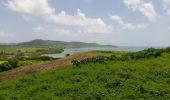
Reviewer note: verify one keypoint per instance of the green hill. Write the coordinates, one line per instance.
(40, 46)
(58, 44)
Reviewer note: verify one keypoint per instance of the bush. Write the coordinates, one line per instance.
(76, 62)
(44, 58)
(148, 53)
(14, 63)
(11, 64)
(113, 57)
(5, 66)
(67, 55)
(167, 49)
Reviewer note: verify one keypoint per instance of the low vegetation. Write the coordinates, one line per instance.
(24, 55)
(149, 53)
(7, 52)
(22, 61)
(143, 77)
(11, 64)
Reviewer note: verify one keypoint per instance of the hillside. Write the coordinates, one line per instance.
(144, 79)
(58, 44)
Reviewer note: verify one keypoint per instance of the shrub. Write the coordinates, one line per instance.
(5, 66)
(67, 55)
(167, 49)
(44, 58)
(12, 63)
(76, 62)
(113, 57)
(148, 53)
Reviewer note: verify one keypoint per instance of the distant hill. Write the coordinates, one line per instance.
(59, 44)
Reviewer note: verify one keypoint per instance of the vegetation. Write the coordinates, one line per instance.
(1, 62)
(67, 55)
(19, 51)
(143, 77)
(24, 54)
(36, 48)
(149, 53)
(22, 61)
(11, 64)
(42, 58)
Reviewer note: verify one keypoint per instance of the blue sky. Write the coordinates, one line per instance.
(117, 22)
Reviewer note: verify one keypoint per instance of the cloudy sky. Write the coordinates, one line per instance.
(118, 22)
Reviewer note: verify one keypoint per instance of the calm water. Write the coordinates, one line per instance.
(79, 50)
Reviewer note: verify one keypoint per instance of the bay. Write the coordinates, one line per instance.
(86, 49)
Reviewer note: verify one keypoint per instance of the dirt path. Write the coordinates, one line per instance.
(44, 67)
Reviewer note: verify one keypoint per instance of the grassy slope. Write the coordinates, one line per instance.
(17, 72)
(147, 79)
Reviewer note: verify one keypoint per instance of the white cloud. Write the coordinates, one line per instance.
(146, 8)
(41, 8)
(126, 25)
(31, 7)
(166, 5)
(4, 35)
(90, 25)
(54, 31)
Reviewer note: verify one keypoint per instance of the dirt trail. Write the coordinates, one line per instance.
(44, 67)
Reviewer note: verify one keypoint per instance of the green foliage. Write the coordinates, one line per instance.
(144, 79)
(167, 49)
(49, 51)
(149, 53)
(5, 66)
(11, 64)
(1, 62)
(43, 58)
(19, 52)
(67, 55)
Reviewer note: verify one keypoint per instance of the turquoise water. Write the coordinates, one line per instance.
(79, 50)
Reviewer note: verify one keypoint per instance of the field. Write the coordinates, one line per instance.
(144, 79)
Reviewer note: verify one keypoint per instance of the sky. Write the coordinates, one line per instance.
(115, 22)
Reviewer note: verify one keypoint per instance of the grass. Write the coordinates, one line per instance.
(1, 62)
(12, 51)
(32, 62)
(135, 79)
